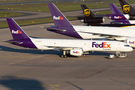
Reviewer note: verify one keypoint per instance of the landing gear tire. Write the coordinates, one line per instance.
(68, 54)
(64, 56)
(121, 54)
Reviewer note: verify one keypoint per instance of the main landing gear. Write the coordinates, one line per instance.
(64, 54)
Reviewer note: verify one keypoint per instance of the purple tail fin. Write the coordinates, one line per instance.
(16, 30)
(117, 15)
(115, 10)
(58, 18)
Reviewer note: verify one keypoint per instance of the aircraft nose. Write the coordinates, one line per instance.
(131, 49)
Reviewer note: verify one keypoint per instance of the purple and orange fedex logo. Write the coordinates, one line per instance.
(76, 52)
(102, 45)
(17, 32)
(132, 42)
(117, 17)
(57, 18)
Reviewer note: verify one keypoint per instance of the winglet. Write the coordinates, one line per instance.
(58, 18)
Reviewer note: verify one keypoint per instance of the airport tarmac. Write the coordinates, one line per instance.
(27, 69)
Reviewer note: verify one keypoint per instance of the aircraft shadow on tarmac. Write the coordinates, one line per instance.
(33, 51)
(15, 83)
(74, 85)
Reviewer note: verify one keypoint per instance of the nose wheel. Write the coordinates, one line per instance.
(121, 54)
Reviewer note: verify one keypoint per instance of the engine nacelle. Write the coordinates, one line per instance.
(91, 20)
(76, 52)
(131, 42)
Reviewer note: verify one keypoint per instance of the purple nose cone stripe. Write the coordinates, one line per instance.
(20, 38)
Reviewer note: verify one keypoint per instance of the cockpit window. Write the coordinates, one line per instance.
(126, 45)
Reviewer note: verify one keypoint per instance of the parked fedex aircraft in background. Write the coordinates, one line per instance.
(77, 48)
(128, 10)
(63, 26)
(118, 16)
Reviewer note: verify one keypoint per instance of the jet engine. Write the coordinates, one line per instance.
(96, 20)
(131, 42)
(132, 17)
(76, 52)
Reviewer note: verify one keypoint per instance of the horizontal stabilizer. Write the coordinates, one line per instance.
(54, 29)
(17, 42)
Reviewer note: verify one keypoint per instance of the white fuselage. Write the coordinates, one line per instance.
(86, 32)
(128, 17)
(132, 21)
(85, 45)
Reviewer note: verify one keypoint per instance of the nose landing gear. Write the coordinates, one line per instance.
(121, 54)
(118, 55)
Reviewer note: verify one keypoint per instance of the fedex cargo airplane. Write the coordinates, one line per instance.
(74, 47)
(118, 16)
(63, 26)
(128, 10)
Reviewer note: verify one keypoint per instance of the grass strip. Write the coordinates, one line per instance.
(43, 7)
(9, 14)
(33, 21)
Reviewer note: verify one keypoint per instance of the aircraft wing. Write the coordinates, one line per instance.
(61, 47)
(108, 36)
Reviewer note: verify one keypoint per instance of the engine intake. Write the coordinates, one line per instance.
(76, 52)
